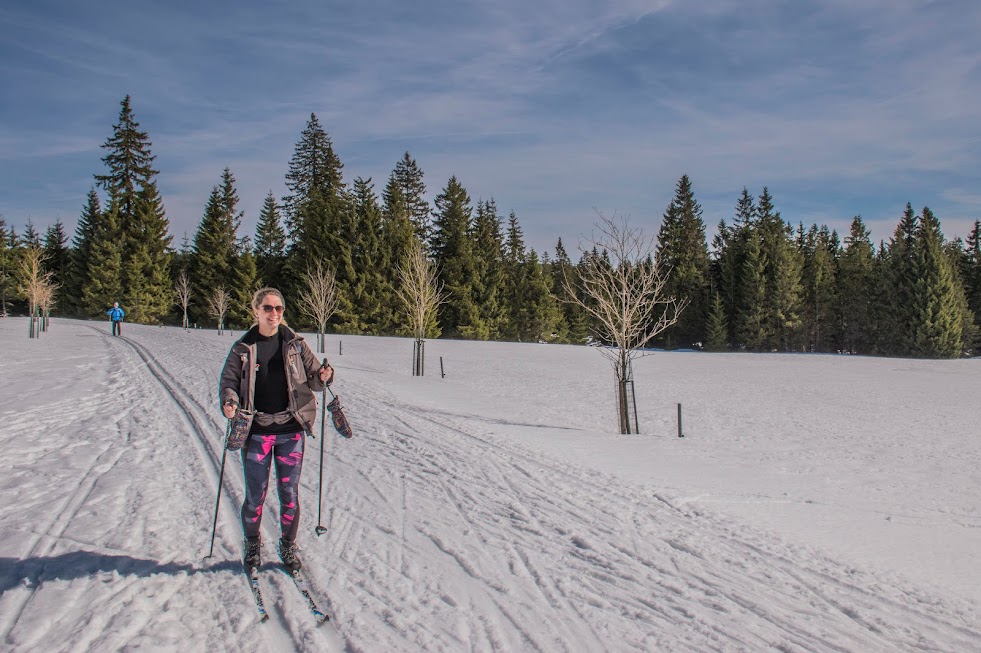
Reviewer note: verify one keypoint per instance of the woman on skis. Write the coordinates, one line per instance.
(272, 373)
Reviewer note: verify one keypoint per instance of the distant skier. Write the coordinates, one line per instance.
(272, 373)
(116, 314)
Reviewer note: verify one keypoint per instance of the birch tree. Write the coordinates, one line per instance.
(218, 305)
(421, 293)
(183, 289)
(318, 300)
(624, 294)
(33, 282)
(46, 301)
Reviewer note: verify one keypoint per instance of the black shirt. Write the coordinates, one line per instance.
(271, 392)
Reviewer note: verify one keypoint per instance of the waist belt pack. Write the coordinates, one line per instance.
(268, 419)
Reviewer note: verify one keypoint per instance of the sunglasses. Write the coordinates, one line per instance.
(269, 308)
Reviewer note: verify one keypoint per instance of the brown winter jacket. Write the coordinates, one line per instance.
(302, 375)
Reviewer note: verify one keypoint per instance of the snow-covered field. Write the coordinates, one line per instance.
(817, 503)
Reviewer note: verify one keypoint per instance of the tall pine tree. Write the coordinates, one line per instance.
(142, 222)
(80, 255)
(216, 247)
(488, 250)
(784, 267)
(683, 253)
(270, 244)
(453, 254)
(397, 239)
(409, 177)
(367, 290)
(856, 289)
(103, 286)
(937, 327)
(899, 276)
(57, 261)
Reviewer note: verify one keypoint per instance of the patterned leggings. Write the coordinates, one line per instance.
(257, 458)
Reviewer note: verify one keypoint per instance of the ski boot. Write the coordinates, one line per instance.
(287, 553)
(252, 558)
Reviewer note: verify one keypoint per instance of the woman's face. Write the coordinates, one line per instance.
(269, 314)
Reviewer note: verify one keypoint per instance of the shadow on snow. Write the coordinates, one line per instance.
(79, 564)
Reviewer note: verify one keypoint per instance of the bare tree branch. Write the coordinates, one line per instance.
(624, 294)
(183, 289)
(420, 291)
(218, 305)
(33, 279)
(319, 299)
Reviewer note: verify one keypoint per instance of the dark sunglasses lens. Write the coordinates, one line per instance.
(269, 309)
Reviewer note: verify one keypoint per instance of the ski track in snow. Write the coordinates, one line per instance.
(442, 535)
(171, 602)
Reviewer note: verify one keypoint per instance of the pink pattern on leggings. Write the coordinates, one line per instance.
(293, 459)
(268, 441)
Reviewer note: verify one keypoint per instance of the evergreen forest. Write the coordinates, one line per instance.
(762, 284)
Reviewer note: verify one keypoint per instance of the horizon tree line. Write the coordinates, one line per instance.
(764, 284)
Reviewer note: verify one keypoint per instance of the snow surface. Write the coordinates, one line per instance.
(816, 503)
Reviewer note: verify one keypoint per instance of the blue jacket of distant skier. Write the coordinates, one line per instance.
(115, 314)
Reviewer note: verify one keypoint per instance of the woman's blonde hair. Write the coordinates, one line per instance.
(261, 294)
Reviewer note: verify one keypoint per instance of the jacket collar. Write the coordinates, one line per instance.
(252, 335)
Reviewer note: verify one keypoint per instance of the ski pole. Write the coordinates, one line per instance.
(221, 478)
(320, 485)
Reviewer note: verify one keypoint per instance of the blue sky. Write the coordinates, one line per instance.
(555, 109)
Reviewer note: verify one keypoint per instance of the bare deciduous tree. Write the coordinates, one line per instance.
(218, 305)
(421, 294)
(46, 301)
(183, 289)
(319, 301)
(33, 282)
(624, 294)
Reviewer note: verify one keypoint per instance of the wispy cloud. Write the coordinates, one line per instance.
(553, 107)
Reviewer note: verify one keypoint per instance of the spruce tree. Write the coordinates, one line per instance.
(574, 326)
(717, 336)
(142, 222)
(397, 239)
(215, 249)
(270, 244)
(683, 253)
(899, 276)
(367, 291)
(31, 238)
(784, 268)
(7, 283)
(750, 328)
(957, 257)
(57, 262)
(147, 288)
(856, 289)
(244, 281)
(409, 177)
(130, 164)
(515, 258)
(937, 327)
(538, 313)
(489, 273)
(103, 286)
(729, 246)
(453, 254)
(319, 217)
(820, 279)
(314, 170)
(972, 272)
(80, 255)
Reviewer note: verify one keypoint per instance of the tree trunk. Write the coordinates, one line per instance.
(419, 358)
